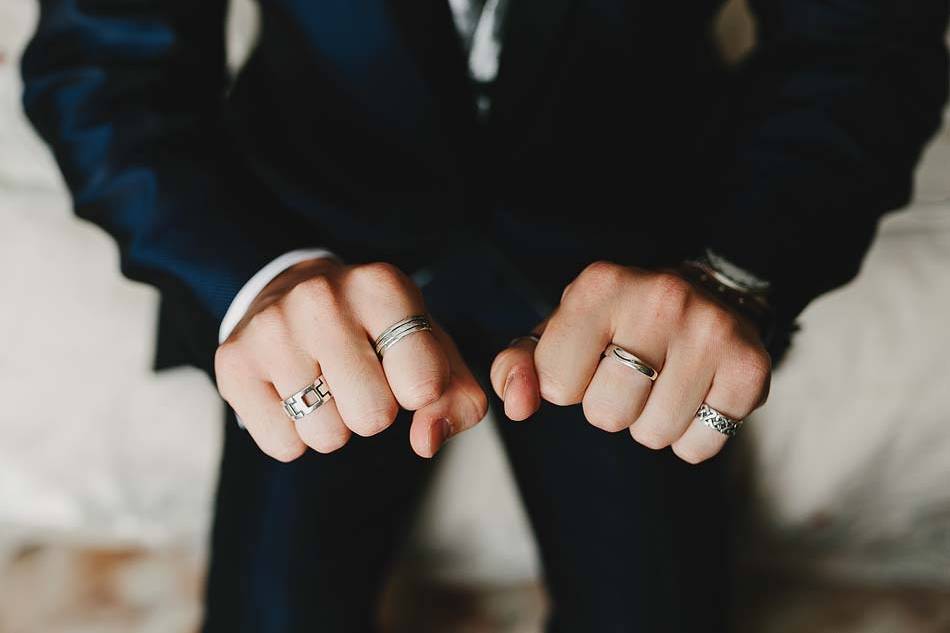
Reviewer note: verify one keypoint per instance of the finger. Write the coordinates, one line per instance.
(258, 405)
(462, 405)
(675, 397)
(323, 326)
(289, 368)
(616, 395)
(515, 381)
(569, 351)
(737, 389)
(415, 367)
(323, 430)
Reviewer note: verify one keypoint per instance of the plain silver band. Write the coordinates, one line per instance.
(631, 360)
(534, 338)
(400, 330)
(717, 421)
(296, 405)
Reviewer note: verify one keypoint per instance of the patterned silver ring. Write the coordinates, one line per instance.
(308, 399)
(631, 360)
(717, 421)
(400, 330)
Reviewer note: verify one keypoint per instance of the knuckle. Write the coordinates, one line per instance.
(379, 275)
(474, 402)
(597, 279)
(375, 418)
(602, 270)
(671, 285)
(333, 445)
(329, 442)
(316, 293)
(691, 454)
(229, 364)
(479, 403)
(269, 322)
(556, 391)
(650, 437)
(670, 296)
(422, 392)
(228, 360)
(287, 451)
(566, 291)
(603, 416)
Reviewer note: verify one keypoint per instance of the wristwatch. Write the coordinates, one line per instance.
(735, 288)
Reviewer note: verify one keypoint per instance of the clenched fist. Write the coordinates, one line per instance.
(320, 318)
(704, 353)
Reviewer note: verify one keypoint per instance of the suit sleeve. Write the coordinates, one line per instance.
(832, 110)
(128, 94)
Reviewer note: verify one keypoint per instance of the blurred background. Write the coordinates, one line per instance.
(844, 483)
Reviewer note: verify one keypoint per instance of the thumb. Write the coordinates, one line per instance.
(461, 406)
(515, 380)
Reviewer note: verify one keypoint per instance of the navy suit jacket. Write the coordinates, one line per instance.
(615, 133)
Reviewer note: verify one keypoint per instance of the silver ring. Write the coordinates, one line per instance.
(717, 421)
(534, 338)
(308, 399)
(631, 360)
(400, 330)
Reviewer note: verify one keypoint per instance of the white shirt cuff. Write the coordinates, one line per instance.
(249, 291)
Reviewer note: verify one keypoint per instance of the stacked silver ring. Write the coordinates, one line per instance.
(631, 360)
(297, 405)
(717, 421)
(398, 331)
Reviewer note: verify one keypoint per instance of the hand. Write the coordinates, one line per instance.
(321, 318)
(703, 352)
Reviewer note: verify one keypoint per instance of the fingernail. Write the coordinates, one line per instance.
(439, 432)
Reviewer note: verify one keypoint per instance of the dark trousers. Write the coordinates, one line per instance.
(632, 540)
